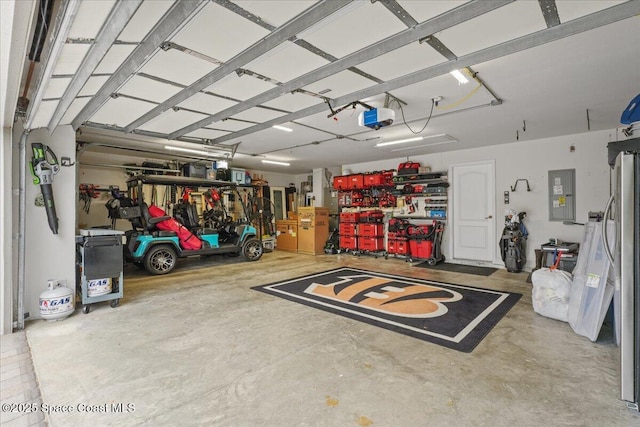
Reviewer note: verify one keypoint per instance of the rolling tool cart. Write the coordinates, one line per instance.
(99, 267)
(425, 242)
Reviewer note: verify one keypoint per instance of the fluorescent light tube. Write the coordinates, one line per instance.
(282, 128)
(423, 146)
(459, 76)
(190, 150)
(273, 162)
(401, 141)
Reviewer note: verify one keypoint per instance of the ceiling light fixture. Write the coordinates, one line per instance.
(401, 141)
(417, 138)
(190, 150)
(273, 162)
(426, 145)
(282, 128)
(460, 77)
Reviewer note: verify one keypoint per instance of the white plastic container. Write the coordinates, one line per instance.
(97, 287)
(57, 302)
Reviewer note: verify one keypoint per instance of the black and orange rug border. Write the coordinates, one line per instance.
(453, 316)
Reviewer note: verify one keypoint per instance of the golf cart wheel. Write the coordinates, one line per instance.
(160, 259)
(252, 249)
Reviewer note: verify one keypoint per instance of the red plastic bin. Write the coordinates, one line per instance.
(356, 182)
(340, 182)
(373, 179)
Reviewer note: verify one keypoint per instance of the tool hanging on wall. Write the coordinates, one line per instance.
(87, 192)
(43, 171)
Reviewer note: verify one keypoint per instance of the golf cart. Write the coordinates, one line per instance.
(157, 240)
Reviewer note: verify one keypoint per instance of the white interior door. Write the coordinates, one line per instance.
(472, 210)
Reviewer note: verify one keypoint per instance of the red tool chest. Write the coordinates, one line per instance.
(347, 229)
(350, 217)
(374, 216)
(370, 230)
(420, 248)
(402, 246)
(348, 242)
(370, 243)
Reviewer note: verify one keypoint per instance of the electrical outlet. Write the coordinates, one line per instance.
(506, 197)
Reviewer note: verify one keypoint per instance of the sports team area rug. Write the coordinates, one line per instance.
(454, 316)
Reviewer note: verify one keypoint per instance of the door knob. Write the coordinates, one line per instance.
(488, 217)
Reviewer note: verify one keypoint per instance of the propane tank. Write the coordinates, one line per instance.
(98, 287)
(57, 302)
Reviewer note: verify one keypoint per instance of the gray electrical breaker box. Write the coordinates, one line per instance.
(562, 195)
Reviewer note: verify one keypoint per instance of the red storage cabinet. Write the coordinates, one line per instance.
(392, 246)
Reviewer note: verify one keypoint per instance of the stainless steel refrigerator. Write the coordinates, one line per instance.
(624, 156)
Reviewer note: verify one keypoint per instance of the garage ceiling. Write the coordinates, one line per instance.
(218, 75)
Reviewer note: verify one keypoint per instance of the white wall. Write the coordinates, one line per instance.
(49, 256)
(531, 160)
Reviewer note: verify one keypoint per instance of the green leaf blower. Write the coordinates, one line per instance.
(43, 169)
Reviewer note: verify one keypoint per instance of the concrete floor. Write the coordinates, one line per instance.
(198, 347)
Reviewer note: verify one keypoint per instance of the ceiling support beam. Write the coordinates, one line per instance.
(573, 27)
(435, 43)
(233, 7)
(448, 19)
(111, 28)
(303, 21)
(550, 12)
(173, 20)
(399, 12)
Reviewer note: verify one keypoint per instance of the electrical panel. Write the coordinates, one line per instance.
(562, 197)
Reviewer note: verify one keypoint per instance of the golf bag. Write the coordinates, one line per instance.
(514, 241)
